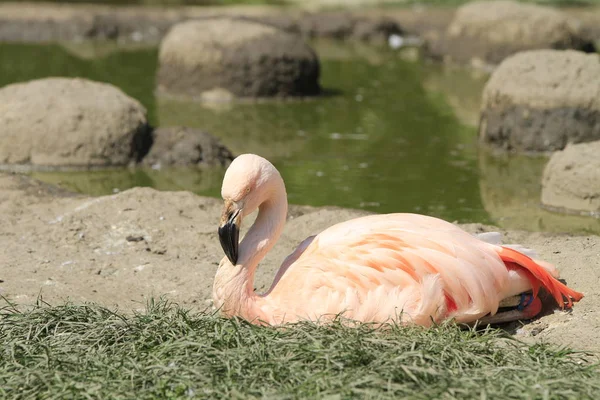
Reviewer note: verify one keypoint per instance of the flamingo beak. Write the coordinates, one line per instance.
(229, 231)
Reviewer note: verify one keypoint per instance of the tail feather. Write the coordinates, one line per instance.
(540, 275)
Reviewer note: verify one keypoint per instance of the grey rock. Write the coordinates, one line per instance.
(538, 101)
(571, 180)
(486, 32)
(245, 58)
(183, 146)
(62, 122)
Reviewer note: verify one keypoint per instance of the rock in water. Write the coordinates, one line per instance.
(63, 122)
(186, 146)
(572, 179)
(246, 58)
(539, 101)
(486, 32)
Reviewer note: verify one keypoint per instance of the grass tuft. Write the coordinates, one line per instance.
(88, 351)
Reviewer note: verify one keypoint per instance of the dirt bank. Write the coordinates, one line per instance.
(123, 249)
(47, 22)
(30, 21)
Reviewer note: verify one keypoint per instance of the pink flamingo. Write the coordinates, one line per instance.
(404, 267)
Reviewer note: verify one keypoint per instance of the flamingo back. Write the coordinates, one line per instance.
(400, 266)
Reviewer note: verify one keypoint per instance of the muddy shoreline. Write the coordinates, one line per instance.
(124, 249)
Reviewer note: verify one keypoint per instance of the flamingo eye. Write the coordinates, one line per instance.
(247, 190)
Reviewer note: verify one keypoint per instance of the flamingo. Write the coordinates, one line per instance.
(408, 268)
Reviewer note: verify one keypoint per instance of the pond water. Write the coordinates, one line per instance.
(391, 135)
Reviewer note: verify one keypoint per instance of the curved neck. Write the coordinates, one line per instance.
(234, 284)
(264, 233)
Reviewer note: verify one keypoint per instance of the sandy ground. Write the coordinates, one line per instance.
(123, 249)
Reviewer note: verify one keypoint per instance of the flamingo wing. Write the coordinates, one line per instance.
(376, 267)
(410, 267)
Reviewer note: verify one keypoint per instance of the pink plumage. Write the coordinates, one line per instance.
(404, 267)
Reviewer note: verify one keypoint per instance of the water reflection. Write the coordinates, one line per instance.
(461, 88)
(510, 192)
(384, 144)
(97, 183)
(390, 140)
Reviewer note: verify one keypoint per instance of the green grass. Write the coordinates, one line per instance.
(89, 351)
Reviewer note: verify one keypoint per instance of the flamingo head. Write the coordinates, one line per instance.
(245, 187)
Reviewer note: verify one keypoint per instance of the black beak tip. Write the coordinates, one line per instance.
(228, 236)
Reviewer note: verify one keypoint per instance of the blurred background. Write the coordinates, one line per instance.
(374, 105)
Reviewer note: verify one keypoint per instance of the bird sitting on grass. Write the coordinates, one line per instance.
(405, 268)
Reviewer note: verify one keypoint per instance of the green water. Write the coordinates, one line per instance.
(391, 135)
